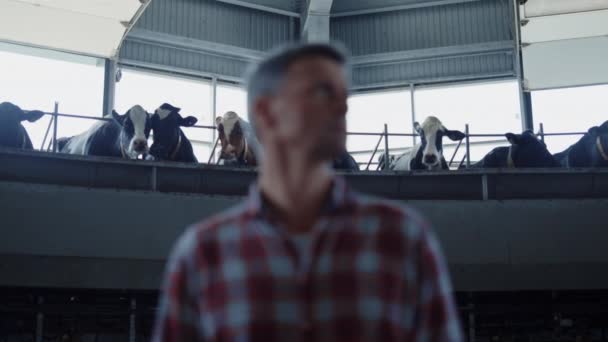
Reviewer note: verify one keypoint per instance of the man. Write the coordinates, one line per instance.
(305, 258)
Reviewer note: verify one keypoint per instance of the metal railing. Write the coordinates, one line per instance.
(51, 145)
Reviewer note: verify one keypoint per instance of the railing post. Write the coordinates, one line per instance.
(46, 134)
(413, 108)
(55, 117)
(39, 321)
(468, 146)
(386, 156)
(542, 132)
(374, 154)
(132, 331)
(213, 114)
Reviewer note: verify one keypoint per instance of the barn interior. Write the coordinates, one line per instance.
(85, 238)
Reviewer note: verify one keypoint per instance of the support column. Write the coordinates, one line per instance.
(109, 86)
(525, 98)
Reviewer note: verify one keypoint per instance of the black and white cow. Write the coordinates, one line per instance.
(124, 136)
(590, 151)
(526, 150)
(12, 132)
(170, 142)
(428, 154)
(239, 145)
(345, 162)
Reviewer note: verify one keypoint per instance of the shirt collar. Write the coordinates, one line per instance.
(339, 198)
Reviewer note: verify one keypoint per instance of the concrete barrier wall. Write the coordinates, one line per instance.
(69, 236)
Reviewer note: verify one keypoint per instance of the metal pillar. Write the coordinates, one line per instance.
(55, 117)
(213, 114)
(413, 106)
(109, 86)
(386, 151)
(132, 330)
(39, 321)
(525, 98)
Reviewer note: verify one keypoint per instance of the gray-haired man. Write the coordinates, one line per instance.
(305, 258)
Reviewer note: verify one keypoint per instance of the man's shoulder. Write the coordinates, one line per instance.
(231, 216)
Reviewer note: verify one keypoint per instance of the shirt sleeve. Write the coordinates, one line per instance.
(438, 318)
(177, 314)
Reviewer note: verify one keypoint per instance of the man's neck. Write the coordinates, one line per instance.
(297, 190)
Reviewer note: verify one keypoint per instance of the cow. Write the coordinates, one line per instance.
(345, 162)
(12, 132)
(123, 136)
(169, 141)
(239, 145)
(525, 151)
(428, 154)
(590, 151)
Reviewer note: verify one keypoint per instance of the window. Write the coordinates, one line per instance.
(369, 112)
(488, 108)
(36, 78)
(231, 98)
(150, 90)
(569, 110)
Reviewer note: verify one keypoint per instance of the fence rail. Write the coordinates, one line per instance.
(383, 136)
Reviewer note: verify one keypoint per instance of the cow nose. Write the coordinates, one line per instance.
(139, 145)
(430, 159)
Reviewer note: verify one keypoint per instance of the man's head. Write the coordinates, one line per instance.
(297, 100)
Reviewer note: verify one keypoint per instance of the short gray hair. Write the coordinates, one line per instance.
(266, 77)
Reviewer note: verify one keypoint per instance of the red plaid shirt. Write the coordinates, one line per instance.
(376, 274)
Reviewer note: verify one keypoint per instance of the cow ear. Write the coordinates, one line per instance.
(593, 130)
(512, 138)
(32, 115)
(188, 121)
(219, 120)
(119, 118)
(454, 135)
(417, 127)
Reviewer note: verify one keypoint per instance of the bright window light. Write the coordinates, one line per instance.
(569, 110)
(488, 108)
(35, 79)
(368, 112)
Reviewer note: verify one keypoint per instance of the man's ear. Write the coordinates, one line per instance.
(188, 121)
(263, 112)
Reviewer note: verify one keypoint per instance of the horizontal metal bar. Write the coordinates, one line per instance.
(194, 45)
(261, 8)
(166, 69)
(398, 8)
(434, 53)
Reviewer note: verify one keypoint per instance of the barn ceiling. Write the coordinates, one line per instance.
(91, 27)
(338, 5)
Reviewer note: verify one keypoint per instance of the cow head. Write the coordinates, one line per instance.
(527, 150)
(12, 133)
(166, 123)
(596, 145)
(136, 126)
(431, 134)
(234, 145)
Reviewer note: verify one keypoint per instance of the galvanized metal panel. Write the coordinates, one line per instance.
(449, 26)
(168, 58)
(215, 21)
(208, 21)
(423, 28)
(434, 70)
